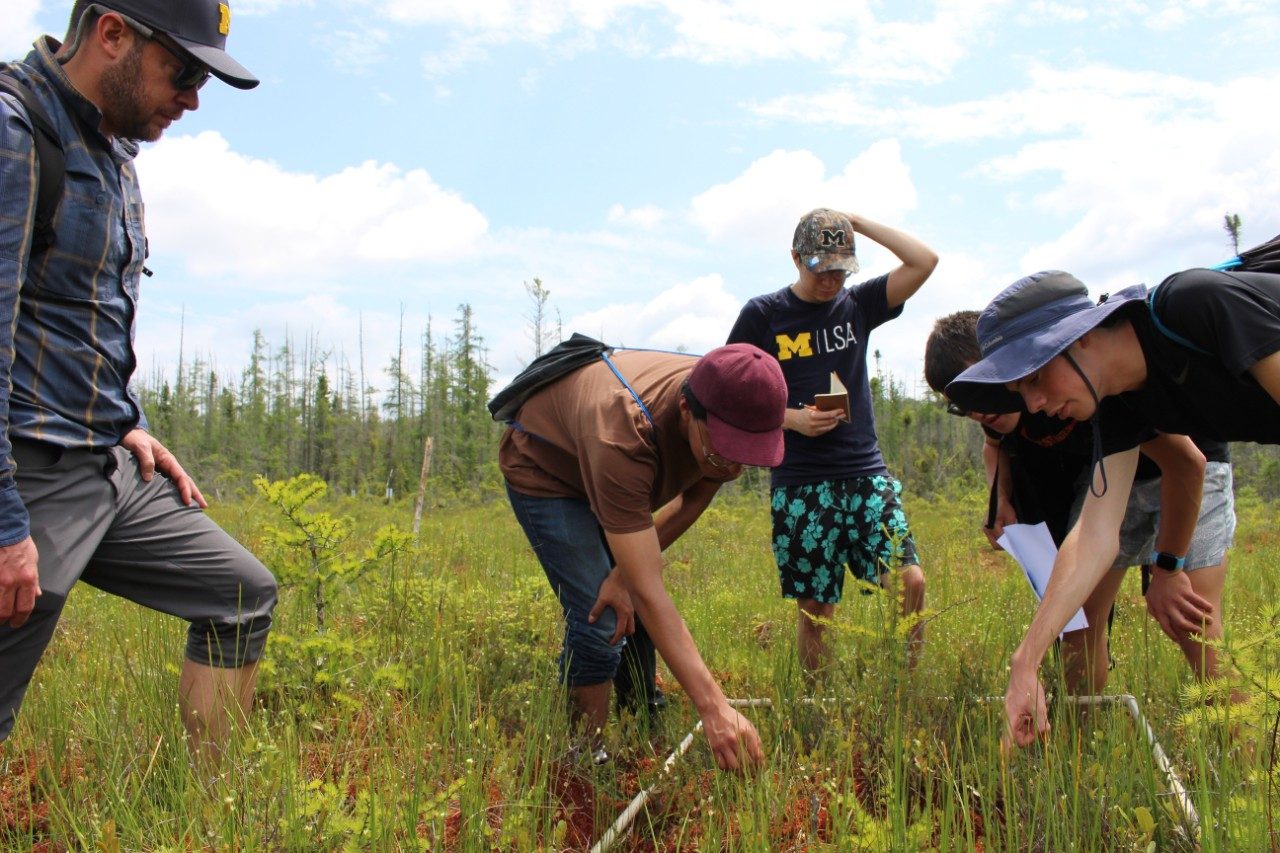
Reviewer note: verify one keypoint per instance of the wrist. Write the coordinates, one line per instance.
(1023, 660)
(1169, 563)
(709, 699)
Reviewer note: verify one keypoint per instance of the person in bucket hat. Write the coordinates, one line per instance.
(589, 459)
(1037, 469)
(1199, 354)
(834, 502)
(79, 495)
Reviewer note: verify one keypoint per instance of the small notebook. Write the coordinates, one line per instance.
(837, 399)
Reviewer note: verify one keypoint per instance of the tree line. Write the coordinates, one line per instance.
(296, 407)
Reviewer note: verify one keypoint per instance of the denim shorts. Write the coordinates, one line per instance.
(1215, 528)
(818, 528)
(569, 543)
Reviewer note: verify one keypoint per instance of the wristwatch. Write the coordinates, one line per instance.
(1169, 562)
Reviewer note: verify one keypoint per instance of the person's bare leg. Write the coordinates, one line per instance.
(212, 700)
(1085, 662)
(589, 711)
(591, 705)
(1203, 658)
(811, 640)
(911, 594)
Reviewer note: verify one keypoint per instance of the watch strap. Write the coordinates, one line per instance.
(1169, 562)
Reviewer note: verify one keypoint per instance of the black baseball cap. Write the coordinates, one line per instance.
(199, 26)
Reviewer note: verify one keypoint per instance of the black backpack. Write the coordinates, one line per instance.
(1264, 257)
(1261, 258)
(558, 362)
(50, 159)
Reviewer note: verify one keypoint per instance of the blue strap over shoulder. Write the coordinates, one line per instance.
(652, 426)
(1165, 330)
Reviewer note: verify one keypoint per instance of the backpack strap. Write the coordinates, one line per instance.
(50, 158)
(1165, 330)
(652, 426)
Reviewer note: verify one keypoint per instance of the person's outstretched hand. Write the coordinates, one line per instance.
(734, 741)
(1024, 706)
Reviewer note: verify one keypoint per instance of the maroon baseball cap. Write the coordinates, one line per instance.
(742, 388)
(199, 26)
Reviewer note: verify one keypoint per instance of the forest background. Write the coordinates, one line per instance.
(364, 429)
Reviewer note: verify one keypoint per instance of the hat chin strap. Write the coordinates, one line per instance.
(1093, 425)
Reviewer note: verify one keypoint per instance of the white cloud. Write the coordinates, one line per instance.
(693, 316)
(18, 27)
(713, 32)
(763, 204)
(856, 39)
(267, 7)
(1053, 101)
(356, 49)
(1130, 162)
(1239, 15)
(228, 215)
(647, 217)
(1148, 184)
(502, 21)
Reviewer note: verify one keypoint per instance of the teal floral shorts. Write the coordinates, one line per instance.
(819, 528)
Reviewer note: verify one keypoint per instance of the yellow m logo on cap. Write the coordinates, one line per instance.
(224, 18)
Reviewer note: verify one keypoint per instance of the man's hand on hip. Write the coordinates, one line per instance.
(153, 456)
(19, 582)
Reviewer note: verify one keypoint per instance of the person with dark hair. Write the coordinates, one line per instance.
(1038, 470)
(834, 501)
(1199, 354)
(79, 498)
(588, 461)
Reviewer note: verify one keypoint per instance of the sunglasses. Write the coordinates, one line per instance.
(715, 460)
(957, 410)
(191, 75)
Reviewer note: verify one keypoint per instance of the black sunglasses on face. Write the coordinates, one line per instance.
(192, 75)
(957, 410)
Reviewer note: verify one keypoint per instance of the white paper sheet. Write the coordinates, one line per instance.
(1033, 548)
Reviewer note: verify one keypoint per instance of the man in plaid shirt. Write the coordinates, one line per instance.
(79, 498)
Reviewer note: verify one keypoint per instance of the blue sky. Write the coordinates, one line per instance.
(648, 160)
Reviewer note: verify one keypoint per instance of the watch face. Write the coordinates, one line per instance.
(1168, 562)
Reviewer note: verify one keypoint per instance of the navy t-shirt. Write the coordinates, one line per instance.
(1235, 319)
(811, 341)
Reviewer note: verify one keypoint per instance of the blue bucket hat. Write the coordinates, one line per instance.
(1032, 320)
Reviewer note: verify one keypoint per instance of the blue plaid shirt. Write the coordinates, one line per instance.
(66, 313)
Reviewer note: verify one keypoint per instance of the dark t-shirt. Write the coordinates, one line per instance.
(1235, 317)
(811, 341)
(1050, 460)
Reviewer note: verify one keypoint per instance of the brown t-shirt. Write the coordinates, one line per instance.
(586, 437)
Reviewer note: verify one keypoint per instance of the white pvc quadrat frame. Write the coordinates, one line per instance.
(1177, 789)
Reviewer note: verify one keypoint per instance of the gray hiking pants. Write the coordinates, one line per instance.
(93, 518)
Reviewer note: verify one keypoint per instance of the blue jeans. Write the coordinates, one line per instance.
(570, 545)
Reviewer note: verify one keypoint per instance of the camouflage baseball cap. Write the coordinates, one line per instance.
(824, 241)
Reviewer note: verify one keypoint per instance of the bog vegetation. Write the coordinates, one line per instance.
(409, 702)
(408, 697)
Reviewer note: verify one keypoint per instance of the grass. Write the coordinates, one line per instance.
(430, 718)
